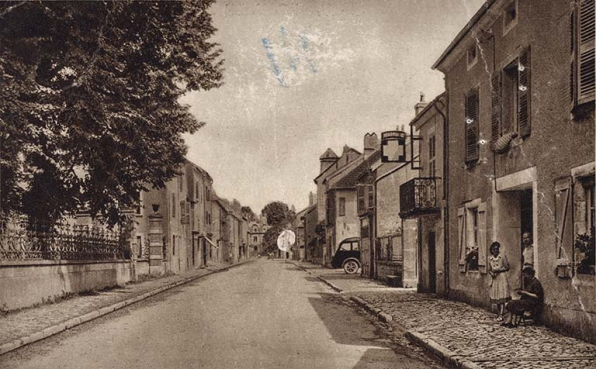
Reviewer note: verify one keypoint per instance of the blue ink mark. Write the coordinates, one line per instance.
(304, 42)
(282, 31)
(304, 45)
(294, 64)
(268, 47)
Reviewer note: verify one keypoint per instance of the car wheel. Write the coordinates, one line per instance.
(351, 266)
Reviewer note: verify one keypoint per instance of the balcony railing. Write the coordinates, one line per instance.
(418, 196)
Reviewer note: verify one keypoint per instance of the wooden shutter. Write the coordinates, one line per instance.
(496, 82)
(472, 126)
(585, 62)
(523, 94)
(360, 193)
(371, 196)
(461, 238)
(482, 237)
(563, 218)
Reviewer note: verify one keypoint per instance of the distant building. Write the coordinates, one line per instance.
(331, 165)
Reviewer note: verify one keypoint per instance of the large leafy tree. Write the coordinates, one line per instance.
(89, 104)
(279, 216)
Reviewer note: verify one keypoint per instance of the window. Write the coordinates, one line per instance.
(389, 248)
(472, 126)
(197, 191)
(511, 99)
(432, 156)
(139, 248)
(173, 205)
(360, 195)
(510, 16)
(582, 47)
(181, 183)
(255, 239)
(584, 248)
(342, 206)
(471, 220)
(472, 56)
(173, 245)
(371, 196)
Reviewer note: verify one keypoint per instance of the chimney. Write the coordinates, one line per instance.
(327, 159)
(371, 144)
(311, 198)
(420, 105)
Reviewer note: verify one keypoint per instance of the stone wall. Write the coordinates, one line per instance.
(28, 283)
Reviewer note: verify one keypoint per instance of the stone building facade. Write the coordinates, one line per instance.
(520, 98)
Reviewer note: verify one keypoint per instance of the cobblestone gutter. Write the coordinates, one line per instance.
(461, 335)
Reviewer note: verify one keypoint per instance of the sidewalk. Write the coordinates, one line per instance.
(462, 335)
(33, 324)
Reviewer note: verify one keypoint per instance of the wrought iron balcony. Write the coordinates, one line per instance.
(418, 196)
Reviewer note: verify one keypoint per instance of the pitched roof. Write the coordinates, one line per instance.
(483, 9)
(329, 154)
(351, 178)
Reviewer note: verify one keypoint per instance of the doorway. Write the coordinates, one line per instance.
(204, 252)
(432, 264)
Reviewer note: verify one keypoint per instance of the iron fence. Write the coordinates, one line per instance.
(24, 241)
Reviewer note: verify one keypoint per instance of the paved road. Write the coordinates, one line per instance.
(267, 314)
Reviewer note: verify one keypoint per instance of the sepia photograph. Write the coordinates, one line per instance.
(309, 184)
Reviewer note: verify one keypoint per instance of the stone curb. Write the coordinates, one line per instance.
(73, 322)
(418, 338)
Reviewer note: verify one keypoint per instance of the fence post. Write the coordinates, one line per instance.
(155, 242)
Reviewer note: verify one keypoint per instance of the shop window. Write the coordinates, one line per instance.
(472, 237)
(342, 206)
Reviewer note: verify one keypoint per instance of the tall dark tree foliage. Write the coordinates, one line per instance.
(279, 216)
(89, 100)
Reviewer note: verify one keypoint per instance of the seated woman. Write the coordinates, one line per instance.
(532, 297)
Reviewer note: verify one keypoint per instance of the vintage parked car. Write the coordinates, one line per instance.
(347, 255)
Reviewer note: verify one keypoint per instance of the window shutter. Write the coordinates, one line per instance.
(472, 126)
(482, 237)
(585, 63)
(496, 81)
(563, 218)
(371, 196)
(572, 43)
(523, 94)
(461, 238)
(360, 192)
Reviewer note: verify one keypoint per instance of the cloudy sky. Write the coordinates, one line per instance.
(305, 75)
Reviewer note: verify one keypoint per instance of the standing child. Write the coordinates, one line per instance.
(499, 291)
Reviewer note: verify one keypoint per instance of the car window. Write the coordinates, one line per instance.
(355, 246)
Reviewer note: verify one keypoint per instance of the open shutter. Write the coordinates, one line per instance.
(523, 94)
(585, 62)
(496, 81)
(371, 196)
(482, 237)
(461, 238)
(472, 126)
(563, 218)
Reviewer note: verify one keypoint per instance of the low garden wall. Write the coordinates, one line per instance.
(28, 283)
